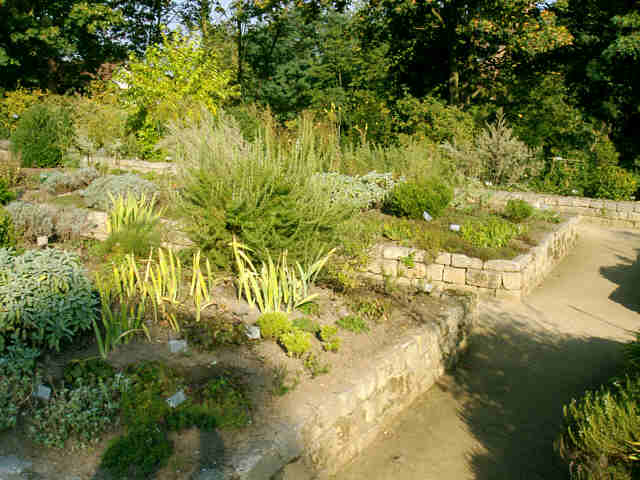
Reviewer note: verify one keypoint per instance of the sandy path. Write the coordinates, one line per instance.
(496, 417)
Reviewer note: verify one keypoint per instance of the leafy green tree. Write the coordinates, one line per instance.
(50, 44)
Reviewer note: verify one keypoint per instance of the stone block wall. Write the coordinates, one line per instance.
(411, 267)
(608, 212)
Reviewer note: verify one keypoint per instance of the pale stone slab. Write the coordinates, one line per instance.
(454, 275)
(484, 278)
(443, 258)
(395, 252)
(462, 261)
(42, 241)
(502, 265)
(435, 272)
(253, 332)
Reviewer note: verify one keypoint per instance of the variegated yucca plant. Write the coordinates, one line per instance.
(277, 286)
(128, 210)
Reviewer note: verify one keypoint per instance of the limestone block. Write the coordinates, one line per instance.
(502, 265)
(395, 252)
(483, 278)
(581, 202)
(596, 203)
(435, 272)
(443, 258)
(512, 280)
(454, 275)
(486, 292)
(384, 267)
(523, 260)
(462, 261)
(634, 216)
(626, 206)
(419, 270)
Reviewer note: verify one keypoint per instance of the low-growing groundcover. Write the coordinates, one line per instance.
(601, 438)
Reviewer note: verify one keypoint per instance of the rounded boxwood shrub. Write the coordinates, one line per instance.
(412, 199)
(41, 136)
(517, 210)
(46, 298)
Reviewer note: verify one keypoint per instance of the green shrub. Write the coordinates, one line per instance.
(32, 220)
(7, 232)
(614, 183)
(88, 371)
(60, 182)
(492, 232)
(274, 324)
(82, 413)
(296, 342)
(600, 430)
(139, 454)
(306, 324)
(17, 380)
(46, 298)
(411, 199)
(517, 210)
(6, 195)
(100, 192)
(261, 192)
(353, 323)
(329, 336)
(139, 239)
(226, 402)
(42, 136)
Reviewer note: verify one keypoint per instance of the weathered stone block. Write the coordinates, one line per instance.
(462, 261)
(384, 267)
(418, 270)
(454, 275)
(434, 272)
(502, 265)
(443, 258)
(483, 278)
(395, 252)
(512, 280)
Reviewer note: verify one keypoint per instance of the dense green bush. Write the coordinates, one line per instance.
(517, 210)
(262, 192)
(32, 220)
(18, 377)
(60, 182)
(138, 454)
(7, 231)
(83, 413)
(600, 429)
(42, 136)
(97, 194)
(274, 324)
(411, 199)
(614, 183)
(296, 342)
(46, 298)
(6, 195)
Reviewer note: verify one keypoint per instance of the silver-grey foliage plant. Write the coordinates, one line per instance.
(58, 182)
(32, 220)
(46, 298)
(96, 195)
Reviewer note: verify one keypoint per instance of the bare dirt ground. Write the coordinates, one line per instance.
(497, 416)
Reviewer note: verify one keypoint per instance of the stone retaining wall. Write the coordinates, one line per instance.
(340, 422)
(608, 212)
(509, 279)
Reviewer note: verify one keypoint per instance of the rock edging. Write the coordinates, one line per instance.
(506, 279)
(339, 424)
